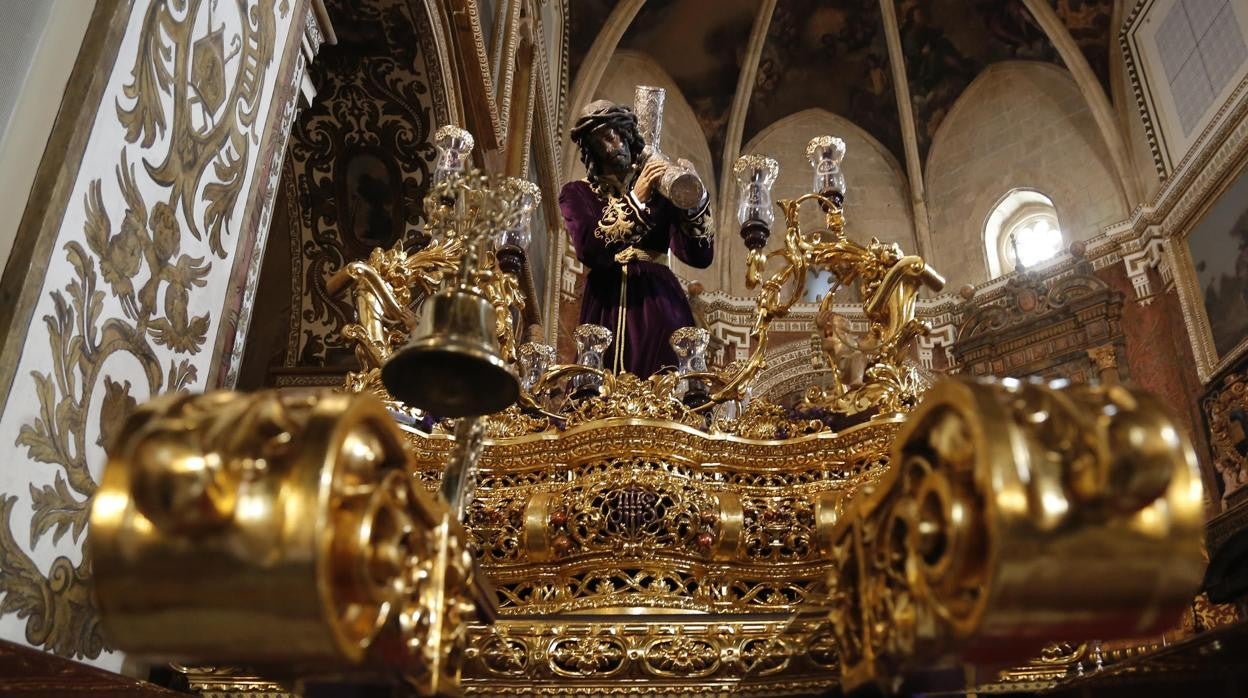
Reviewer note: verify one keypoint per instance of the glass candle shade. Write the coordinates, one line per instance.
(512, 242)
(454, 145)
(825, 154)
(690, 344)
(525, 196)
(535, 358)
(591, 342)
(756, 175)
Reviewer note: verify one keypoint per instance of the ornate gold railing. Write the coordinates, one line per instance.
(623, 535)
(286, 533)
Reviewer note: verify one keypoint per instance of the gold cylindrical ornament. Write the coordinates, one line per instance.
(537, 524)
(281, 531)
(731, 522)
(1015, 514)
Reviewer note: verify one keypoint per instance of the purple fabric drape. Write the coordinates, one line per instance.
(656, 304)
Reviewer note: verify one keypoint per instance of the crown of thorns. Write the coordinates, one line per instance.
(602, 113)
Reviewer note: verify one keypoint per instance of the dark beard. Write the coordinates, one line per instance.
(620, 161)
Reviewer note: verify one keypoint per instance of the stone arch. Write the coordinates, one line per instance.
(1013, 208)
(789, 372)
(1018, 125)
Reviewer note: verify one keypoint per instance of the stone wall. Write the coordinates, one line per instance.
(1018, 125)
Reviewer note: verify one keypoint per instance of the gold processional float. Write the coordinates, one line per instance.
(569, 530)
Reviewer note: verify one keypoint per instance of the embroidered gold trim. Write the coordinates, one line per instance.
(615, 224)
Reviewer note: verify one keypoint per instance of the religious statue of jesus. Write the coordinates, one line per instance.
(622, 228)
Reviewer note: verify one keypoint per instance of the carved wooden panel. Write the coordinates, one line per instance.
(1067, 327)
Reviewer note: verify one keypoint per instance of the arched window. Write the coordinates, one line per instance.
(1022, 230)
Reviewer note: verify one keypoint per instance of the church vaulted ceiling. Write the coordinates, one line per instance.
(834, 55)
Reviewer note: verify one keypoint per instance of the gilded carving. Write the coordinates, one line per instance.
(779, 528)
(1066, 327)
(630, 396)
(505, 655)
(909, 578)
(767, 421)
(1226, 409)
(586, 656)
(764, 656)
(611, 657)
(1206, 615)
(1104, 357)
(633, 515)
(495, 526)
(383, 295)
(682, 656)
(902, 553)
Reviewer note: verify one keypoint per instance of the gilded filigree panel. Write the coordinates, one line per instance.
(1226, 412)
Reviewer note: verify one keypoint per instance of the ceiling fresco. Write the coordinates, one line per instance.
(585, 19)
(947, 43)
(831, 55)
(702, 51)
(1088, 21)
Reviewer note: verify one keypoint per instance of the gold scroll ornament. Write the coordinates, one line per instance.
(281, 531)
(1013, 514)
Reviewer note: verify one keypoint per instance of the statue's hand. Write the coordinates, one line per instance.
(648, 180)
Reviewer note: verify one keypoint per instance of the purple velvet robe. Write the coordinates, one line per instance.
(656, 304)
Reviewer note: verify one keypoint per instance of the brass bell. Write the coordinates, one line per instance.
(452, 366)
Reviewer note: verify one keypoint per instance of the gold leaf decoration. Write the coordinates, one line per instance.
(59, 610)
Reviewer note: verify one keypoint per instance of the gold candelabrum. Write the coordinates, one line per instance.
(574, 529)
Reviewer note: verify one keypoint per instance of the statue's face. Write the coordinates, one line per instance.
(610, 149)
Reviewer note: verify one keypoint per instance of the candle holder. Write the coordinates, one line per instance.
(825, 154)
(535, 358)
(756, 175)
(452, 366)
(591, 342)
(511, 244)
(690, 344)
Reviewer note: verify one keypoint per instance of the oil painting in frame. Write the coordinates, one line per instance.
(1212, 256)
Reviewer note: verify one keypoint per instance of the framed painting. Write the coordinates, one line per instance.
(1187, 62)
(370, 199)
(1212, 261)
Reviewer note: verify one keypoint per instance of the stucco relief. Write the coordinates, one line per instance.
(360, 161)
(133, 287)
